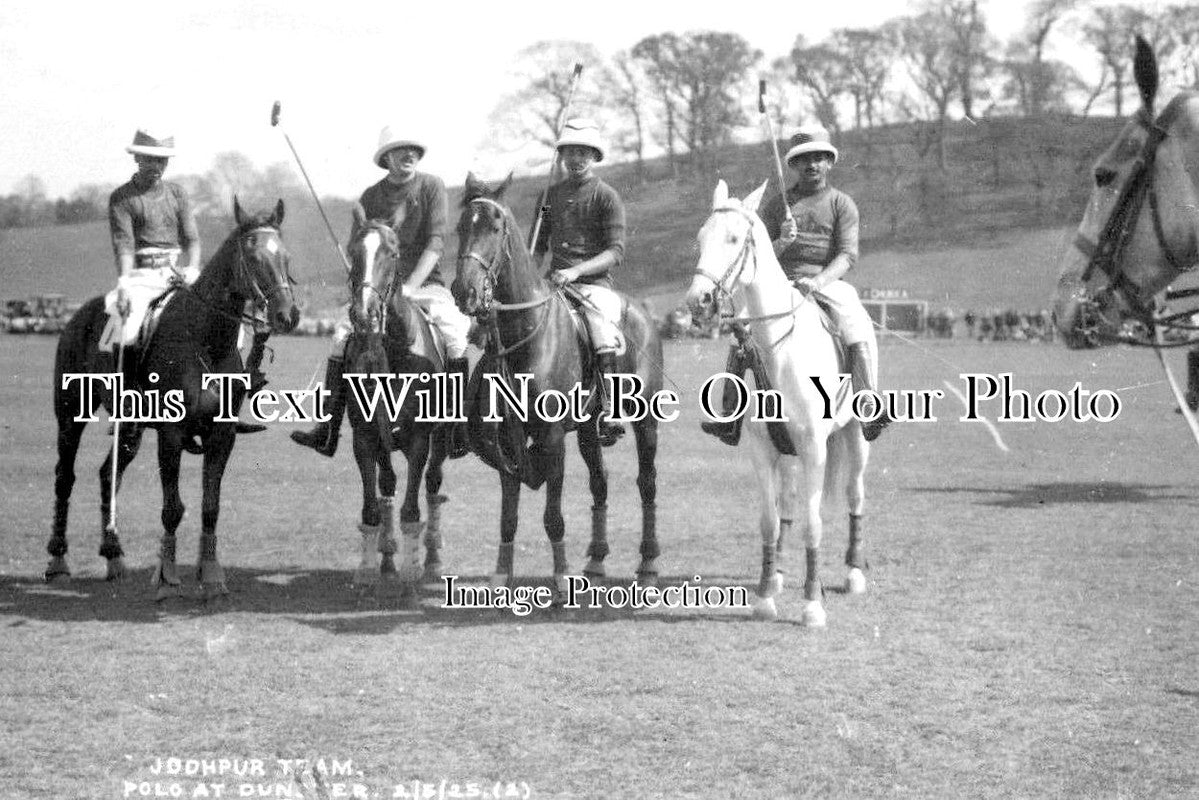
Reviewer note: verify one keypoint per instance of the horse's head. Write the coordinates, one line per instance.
(262, 266)
(1140, 229)
(728, 244)
(485, 233)
(374, 252)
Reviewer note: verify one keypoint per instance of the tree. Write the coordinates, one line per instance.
(626, 83)
(1110, 31)
(658, 56)
(867, 55)
(928, 51)
(543, 74)
(824, 72)
(697, 75)
(1041, 79)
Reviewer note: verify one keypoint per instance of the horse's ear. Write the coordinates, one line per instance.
(721, 195)
(754, 199)
(1144, 67)
(472, 187)
(238, 216)
(280, 211)
(499, 193)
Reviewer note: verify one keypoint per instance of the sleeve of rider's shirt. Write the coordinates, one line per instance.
(846, 215)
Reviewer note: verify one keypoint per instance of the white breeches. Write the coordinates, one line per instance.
(443, 314)
(601, 312)
(142, 286)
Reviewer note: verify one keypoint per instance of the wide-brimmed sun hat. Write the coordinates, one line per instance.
(147, 144)
(811, 139)
(582, 132)
(390, 138)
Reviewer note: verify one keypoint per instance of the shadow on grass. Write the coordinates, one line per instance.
(326, 600)
(1038, 495)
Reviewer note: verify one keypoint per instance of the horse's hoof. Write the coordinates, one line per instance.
(814, 615)
(501, 580)
(57, 570)
(765, 608)
(411, 573)
(780, 580)
(855, 582)
(116, 570)
(594, 569)
(387, 564)
(214, 591)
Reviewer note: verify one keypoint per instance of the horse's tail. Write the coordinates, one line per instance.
(77, 353)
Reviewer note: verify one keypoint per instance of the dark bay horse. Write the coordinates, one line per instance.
(387, 326)
(196, 335)
(531, 332)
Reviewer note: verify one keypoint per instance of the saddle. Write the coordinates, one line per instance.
(114, 331)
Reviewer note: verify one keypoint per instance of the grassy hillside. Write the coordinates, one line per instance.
(986, 231)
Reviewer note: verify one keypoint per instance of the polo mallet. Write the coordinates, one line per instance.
(116, 424)
(275, 110)
(565, 115)
(774, 144)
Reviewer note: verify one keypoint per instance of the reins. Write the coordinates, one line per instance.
(259, 298)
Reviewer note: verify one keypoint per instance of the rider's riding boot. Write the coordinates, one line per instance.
(459, 444)
(323, 438)
(257, 378)
(859, 371)
(729, 431)
(609, 431)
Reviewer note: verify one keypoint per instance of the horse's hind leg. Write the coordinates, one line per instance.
(597, 473)
(555, 523)
(129, 441)
(374, 538)
(69, 434)
(856, 452)
(646, 432)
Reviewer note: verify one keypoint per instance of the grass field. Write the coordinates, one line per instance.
(1029, 628)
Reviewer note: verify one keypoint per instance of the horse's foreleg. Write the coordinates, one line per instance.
(69, 434)
(374, 539)
(166, 581)
(434, 499)
(555, 523)
(509, 517)
(769, 470)
(129, 441)
(646, 433)
(856, 453)
(217, 450)
(788, 487)
(411, 526)
(593, 457)
(811, 492)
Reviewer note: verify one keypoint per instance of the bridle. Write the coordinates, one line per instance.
(489, 307)
(244, 276)
(732, 275)
(365, 286)
(1105, 255)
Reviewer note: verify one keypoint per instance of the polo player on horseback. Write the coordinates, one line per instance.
(583, 227)
(817, 244)
(152, 224)
(420, 199)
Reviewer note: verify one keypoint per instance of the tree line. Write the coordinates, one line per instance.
(28, 205)
(684, 94)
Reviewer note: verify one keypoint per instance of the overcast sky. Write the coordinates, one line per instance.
(80, 78)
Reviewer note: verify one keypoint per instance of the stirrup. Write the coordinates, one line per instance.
(873, 429)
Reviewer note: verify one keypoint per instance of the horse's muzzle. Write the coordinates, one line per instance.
(284, 320)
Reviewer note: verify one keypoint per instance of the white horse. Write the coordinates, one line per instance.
(797, 350)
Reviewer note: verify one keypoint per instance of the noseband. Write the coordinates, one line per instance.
(748, 251)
